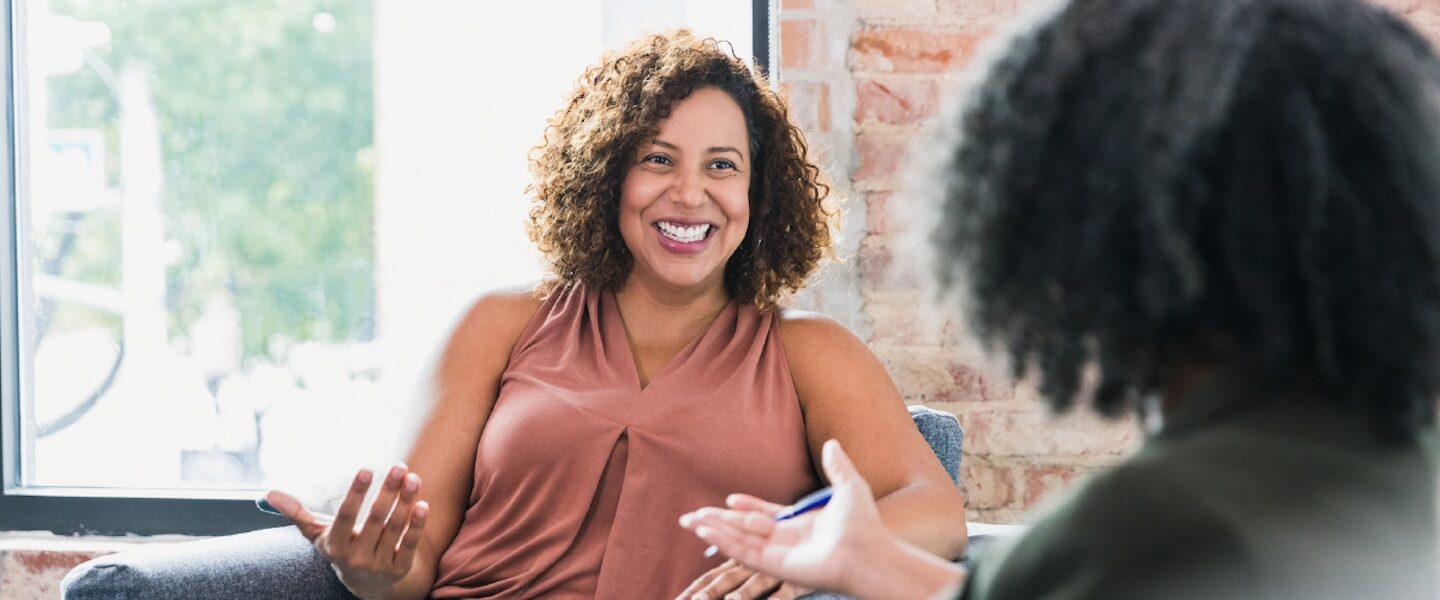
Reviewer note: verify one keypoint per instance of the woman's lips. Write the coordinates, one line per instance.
(678, 247)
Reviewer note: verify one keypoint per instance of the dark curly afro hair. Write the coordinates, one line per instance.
(617, 106)
(1144, 184)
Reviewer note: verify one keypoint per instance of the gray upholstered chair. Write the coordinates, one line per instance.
(279, 563)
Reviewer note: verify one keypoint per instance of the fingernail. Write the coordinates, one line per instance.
(364, 476)
(699, 597)
(712, 551)
(422, 508)
(732, 596)
(685, 520)
(396, 473)
(412, 483)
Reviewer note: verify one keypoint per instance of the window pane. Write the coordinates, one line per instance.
(247, 224)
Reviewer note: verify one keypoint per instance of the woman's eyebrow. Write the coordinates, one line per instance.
(712, 149)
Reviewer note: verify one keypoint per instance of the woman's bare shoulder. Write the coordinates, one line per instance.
(819, 348)
(507, 306)
(493, 323)
(805, 330)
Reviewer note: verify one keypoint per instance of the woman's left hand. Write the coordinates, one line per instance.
(734, 581)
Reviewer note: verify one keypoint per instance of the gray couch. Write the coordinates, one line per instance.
(279, 563)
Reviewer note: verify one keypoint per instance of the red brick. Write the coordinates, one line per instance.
(896, 101)
(809, 104)
(969, 384)
(911, 50)
(878, 271)
(974, 383)
(892, 11)
(981, 9)
(880, 156)
(893, 321)
(1033, 432)
(987, 487)
(877, 213)
(1042, 482)
(36, 573)
(800, 44)
(40, 561)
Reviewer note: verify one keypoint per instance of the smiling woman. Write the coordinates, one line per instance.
(612, 121)
(653, 372)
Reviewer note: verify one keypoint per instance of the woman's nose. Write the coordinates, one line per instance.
(688, 190)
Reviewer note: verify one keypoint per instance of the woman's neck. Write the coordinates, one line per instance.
(663, 315)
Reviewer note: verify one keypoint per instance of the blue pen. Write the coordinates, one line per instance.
(811, 501)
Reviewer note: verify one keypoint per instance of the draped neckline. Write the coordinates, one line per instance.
(617, 336)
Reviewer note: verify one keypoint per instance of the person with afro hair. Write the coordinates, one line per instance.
(1223, 215)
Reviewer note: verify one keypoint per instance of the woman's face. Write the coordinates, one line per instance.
(685, 203)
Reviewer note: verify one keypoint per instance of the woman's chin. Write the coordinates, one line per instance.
(687, 280)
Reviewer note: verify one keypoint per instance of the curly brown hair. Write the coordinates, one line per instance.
(616, 106)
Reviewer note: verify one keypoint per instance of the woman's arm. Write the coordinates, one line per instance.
(464, 384)
(848, 396)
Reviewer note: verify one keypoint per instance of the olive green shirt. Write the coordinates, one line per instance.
(1237, 498)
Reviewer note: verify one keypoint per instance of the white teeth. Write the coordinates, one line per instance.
(683, 234)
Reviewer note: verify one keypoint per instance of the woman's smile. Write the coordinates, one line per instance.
(682, 238)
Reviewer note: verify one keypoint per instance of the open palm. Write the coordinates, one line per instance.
(811, 549)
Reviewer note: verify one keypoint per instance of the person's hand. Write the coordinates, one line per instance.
(815, 549)
(734, 581)
(372, 556)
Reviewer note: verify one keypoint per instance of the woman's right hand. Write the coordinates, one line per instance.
(370, 557)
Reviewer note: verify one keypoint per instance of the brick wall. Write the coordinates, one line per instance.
(863, 77)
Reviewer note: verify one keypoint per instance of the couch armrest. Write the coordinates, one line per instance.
(942, 431)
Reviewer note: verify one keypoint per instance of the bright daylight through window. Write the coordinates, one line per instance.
(242, 227)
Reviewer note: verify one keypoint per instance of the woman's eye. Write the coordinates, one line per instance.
(722, 164)
(659, 159)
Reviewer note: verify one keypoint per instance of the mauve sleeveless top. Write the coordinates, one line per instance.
(581, 475)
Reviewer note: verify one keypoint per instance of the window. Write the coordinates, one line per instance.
(239, 230)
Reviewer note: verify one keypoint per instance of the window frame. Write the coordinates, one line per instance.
(120, 511)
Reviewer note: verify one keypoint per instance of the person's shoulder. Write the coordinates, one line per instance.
(508, 304)
(498, 316)
(1137, 530)
(803, 329)
(828, 362)
(1147, 498)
